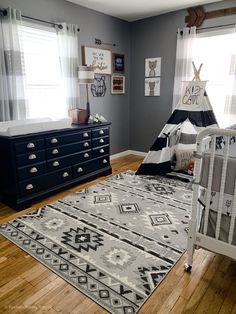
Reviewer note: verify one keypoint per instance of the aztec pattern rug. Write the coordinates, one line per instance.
(114, 241)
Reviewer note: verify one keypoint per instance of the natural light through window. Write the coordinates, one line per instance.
(42, 69)
(217, 53)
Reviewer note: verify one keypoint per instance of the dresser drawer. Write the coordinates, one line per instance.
(101, 162)
(31, 158)
(100, 141)
(100, 151)
(31, 171)
(44, 182)
(100, 132)
(82, 168)
(29, 146)
(69, 138)
(92, 165)
(68, 149)
(62, 162)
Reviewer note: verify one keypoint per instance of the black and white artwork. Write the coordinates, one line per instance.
(98, 88)
(152, 86)
(152, 67)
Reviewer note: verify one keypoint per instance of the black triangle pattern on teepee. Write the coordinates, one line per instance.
(198, 115)
(100, 275)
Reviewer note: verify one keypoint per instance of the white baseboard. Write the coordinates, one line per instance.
(128, 152)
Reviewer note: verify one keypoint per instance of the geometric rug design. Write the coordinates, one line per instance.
(114, 241)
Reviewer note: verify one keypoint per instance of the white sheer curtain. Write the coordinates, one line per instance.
(230, 101)
(69, 54)
(12, 96)
(186, 39)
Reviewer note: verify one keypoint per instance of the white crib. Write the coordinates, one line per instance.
(214, 189)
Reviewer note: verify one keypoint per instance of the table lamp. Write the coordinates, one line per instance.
(85, 76)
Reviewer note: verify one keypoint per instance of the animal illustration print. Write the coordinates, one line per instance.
(152, 68)
(152, 87)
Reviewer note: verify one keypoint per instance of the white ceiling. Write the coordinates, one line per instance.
(132, 10)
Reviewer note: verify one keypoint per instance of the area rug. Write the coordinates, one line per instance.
(115, 241)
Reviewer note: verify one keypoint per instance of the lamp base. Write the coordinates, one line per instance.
(79, 116)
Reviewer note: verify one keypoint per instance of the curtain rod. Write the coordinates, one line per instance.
(4, 13)
(211, 27)
(217, 26)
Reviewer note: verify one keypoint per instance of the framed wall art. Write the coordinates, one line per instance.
(152, 67)
(99, 59)
(118, 63)
(152, 86)
(118, 84)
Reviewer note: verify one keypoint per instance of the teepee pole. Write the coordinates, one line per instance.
(197, 72)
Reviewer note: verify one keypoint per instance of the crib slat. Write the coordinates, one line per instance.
(209, 184)
(233, 216)
(222, 187)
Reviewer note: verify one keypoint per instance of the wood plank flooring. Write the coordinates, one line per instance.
(26, 286)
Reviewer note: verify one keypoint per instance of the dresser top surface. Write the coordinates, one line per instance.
(73, 128)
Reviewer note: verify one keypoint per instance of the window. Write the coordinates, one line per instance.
(42, 70)
(217, 52)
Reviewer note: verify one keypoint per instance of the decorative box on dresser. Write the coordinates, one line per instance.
(34, 166)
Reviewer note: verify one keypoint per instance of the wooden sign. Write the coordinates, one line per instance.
(197, 15)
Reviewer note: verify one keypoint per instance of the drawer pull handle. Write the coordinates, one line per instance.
(101, 150)
(33, 170)
(104, 161)
(85, 134)
(32, 156)
(65, 174)
(86, 155)
(29, 187)
(55, 151)
(30, 145)
(101, 140)
(86, 144)
(54, 140)
(80, 169)
(101, 132)
(55, 164)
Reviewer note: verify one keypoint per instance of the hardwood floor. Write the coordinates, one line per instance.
(26, 286)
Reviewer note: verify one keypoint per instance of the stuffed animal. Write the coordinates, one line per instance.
(191, 166)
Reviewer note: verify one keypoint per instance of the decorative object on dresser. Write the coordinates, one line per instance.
(34, 166)
(99, 59)
(85, 76)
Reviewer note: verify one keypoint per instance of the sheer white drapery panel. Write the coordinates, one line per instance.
(12, 88)
(186, 39)
(69, 54)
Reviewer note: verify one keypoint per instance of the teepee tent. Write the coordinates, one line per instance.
(178, 138)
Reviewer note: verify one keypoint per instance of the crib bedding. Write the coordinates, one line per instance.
(214, 200)
(218, 164)
(224, 226)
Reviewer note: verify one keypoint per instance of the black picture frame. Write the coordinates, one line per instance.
(118, 63)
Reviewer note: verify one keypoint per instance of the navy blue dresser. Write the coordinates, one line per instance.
(34, 166)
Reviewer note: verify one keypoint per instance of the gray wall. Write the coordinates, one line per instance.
(136, 120)
(92, 24)
(156, 37)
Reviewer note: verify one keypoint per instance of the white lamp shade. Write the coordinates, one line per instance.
(85, 74)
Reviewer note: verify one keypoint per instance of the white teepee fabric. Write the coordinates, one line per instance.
(192, 114)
